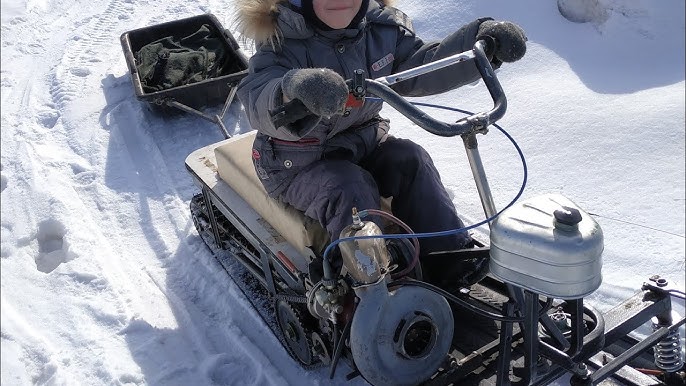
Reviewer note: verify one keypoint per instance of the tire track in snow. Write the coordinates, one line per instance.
(73, 75)
(93, 44)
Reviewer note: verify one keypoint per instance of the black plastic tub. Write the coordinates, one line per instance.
(197, 94)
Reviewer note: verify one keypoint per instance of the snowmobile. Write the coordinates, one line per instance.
(521, 321)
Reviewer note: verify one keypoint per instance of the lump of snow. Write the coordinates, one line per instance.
(583, 11)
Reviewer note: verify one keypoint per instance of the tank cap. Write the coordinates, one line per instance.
(567, 216)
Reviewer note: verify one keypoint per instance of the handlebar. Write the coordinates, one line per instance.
(359, 86)
(473, 123)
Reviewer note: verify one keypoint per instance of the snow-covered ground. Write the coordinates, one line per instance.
(104, 278)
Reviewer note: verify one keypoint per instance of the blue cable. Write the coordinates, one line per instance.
(364, 213)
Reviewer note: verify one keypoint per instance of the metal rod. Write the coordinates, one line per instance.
(340, 342)
(530, 331)
(626, 375)
(416, 115)
(479, 173)
(554, 331)
(634, 312)
(576, 309)
(191, 110)
(561, 359)
(426, 68)
(213, 220)
(505, 347)
(218, 121)
(624, 358)
(229, 100)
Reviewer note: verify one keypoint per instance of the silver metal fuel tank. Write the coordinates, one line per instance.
(549, 246)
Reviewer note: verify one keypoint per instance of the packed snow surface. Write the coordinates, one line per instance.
(106, 281)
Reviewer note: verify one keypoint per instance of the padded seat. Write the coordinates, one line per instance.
(234, 163)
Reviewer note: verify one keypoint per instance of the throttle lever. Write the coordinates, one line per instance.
(358, 89)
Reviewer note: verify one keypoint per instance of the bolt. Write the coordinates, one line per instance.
(452, 362)
(582, 370)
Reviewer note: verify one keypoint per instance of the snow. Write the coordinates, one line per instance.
(104, 278)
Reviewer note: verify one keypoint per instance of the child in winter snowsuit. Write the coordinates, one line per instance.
(338, 157)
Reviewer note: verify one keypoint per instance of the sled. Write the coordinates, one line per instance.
(192, 96)
(525, 322)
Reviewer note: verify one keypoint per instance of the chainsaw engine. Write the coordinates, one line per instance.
(398, 336)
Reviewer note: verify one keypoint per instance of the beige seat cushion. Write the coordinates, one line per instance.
(234, 161)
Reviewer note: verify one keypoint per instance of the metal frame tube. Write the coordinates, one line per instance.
(425, 69)
(217, 118)
(472, 148)
(478, 122)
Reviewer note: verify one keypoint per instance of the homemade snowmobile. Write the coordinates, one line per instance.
(524, 322)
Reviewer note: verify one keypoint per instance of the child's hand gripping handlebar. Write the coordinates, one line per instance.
(473, 123)
(359, 86)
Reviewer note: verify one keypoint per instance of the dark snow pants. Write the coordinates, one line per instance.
(328, 189)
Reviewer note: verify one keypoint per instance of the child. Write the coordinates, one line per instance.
(337, 157)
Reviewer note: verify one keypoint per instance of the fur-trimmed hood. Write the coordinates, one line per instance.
(259, 19)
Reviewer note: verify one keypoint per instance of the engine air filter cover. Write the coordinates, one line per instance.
(548, 245)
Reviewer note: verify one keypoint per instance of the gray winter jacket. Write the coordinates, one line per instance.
(384, 43)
